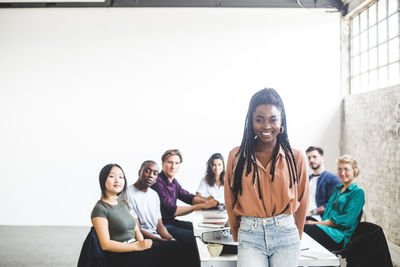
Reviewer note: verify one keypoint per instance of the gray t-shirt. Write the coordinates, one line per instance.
(146, 206)
(120, 221)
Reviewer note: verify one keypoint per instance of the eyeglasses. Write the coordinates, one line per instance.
(346, 170)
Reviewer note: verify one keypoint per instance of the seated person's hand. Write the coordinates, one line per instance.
(210, 204)
(311, 222)
(210, 197)
(321, 210)
(144, 244)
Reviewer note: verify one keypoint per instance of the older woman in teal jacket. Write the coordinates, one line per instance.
(343, 210)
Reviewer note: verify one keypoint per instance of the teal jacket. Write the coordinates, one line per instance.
(344, 210)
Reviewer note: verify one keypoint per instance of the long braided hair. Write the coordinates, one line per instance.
(246, 157)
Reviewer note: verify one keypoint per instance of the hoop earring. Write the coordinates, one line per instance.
(281, 130)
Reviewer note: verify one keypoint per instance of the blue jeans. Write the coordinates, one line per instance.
(268, 242)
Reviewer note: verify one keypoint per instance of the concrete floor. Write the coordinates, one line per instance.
(44, 246)
(55, 246)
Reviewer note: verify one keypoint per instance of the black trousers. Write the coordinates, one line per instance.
(160, 254)
(182, 231)
(321, 237)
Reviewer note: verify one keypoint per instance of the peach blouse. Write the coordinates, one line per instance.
(277, 197)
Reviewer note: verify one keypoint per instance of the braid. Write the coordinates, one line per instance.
(243, 158)
(284, 141)
(276, 150)
(291, 162)
(296, 177)
(256, 175)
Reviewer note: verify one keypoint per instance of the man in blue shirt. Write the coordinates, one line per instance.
(322, 183)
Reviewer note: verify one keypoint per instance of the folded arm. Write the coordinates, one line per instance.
(198, 204)
(101, 226)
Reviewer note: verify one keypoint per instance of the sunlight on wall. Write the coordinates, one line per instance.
(81, 88)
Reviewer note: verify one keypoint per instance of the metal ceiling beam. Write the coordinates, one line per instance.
(353, 6)
(328, 4)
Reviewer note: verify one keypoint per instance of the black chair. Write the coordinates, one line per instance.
(91, 252)
(367, 247)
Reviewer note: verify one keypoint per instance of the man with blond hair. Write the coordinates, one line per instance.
(169, 191)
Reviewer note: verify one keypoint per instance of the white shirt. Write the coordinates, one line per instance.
(146, 206)
(205, 190)
(313, 196)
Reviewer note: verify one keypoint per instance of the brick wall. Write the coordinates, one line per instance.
(370, 131)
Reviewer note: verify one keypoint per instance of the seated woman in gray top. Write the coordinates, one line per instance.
(119, 234)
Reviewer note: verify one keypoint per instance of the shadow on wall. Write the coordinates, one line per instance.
(330, 141)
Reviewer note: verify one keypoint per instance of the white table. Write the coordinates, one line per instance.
(312, 254)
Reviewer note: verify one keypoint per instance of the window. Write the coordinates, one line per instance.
(375, 47)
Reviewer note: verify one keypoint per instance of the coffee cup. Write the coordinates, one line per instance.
(215, 249)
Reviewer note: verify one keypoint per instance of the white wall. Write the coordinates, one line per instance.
(80, 88)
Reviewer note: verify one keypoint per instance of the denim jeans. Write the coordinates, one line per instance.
(271, 242)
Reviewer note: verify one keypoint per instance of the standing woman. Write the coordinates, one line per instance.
(212, 185)
(266, 192)
(119, 235)
(343, 211)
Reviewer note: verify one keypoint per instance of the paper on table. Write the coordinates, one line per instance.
(215, 214)
(209, 225)
(314, 254)
(215, 221)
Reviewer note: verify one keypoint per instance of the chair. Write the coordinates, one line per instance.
(91, 252)
(367, 247)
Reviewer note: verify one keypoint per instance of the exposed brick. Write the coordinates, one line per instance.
(370, 132)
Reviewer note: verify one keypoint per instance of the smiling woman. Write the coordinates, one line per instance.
(212, 185)
(343, 211)
(118, 230)
(266, 186)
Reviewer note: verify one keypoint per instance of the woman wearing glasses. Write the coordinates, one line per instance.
(343, 210)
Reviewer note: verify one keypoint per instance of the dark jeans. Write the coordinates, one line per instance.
(160, 254)
(182, 231)
(310, 218)
(321, 237)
